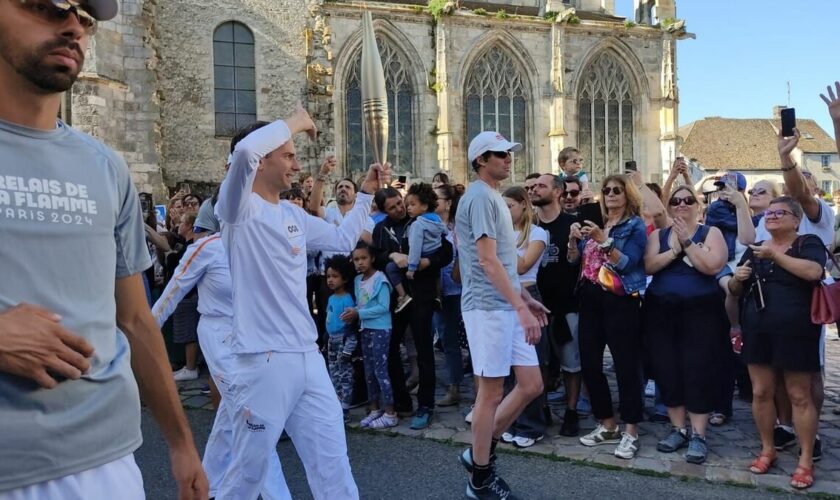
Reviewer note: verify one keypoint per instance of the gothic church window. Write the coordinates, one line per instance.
(495, 98)
(400, 113)
(605, 114)
(234, 78)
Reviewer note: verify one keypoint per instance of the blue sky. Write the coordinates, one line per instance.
(747, 50)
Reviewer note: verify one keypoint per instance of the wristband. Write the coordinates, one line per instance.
(788, 169)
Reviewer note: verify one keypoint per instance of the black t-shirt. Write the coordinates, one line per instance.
(787, 298)
(556, 278)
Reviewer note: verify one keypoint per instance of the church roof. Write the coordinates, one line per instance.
(746, 144)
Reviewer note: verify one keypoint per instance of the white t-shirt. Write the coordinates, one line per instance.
(823, 228)
(537, 234)
(267, 244)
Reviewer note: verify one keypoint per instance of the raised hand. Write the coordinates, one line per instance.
(377, 177)
(833, 101)
(788, 144)
(328, 166)
(300, 121)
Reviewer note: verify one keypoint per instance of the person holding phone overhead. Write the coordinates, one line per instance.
(774, 280)
(684, 320)
(612, 277)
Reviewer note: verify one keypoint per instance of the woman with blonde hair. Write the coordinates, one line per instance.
(531, 242)
(612, 279)
(685, 320)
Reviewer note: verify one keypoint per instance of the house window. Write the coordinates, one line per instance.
(605, 114)
(234, 78)
(400, 113)
(496, 98)
(827, 186)
(826, 161)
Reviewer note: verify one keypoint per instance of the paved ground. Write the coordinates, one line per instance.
(732, 446)
(402, 468)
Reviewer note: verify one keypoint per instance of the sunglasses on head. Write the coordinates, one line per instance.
(500, 154)
(687, 201)
(616, 190)
(572, 193)
(57, 11)
(757, 191)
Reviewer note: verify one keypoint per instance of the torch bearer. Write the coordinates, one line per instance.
(374, 96)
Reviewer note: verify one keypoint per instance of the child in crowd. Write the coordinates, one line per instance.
(424, 237)
(571, 163)
(373, 303)
(342, 334)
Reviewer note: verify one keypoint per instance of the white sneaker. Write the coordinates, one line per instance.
(601, 435)
(650, 389)
(507, 437)
(468, 417)
(185, 374)
(370, 418)
(526, 442)
(628, 446)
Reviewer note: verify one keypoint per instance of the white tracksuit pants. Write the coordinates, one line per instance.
(290, 390)
(213, 333)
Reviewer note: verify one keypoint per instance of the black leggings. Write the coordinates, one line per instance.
(686, 339)
(615, 321)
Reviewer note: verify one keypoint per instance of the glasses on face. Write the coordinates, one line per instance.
(576, 160)
(616, 190)
(191, 204)
(757, 192)
(687, 201)
(572, 193)
(776, 214)
(500, 154)
(57, 11)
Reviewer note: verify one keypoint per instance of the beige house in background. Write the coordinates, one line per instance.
(750, 146)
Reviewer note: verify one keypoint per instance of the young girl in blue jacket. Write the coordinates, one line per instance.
(373, 301)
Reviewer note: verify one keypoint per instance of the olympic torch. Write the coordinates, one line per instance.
(374, 96)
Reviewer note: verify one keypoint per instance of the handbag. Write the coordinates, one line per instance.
(610, 281)
(825, 299)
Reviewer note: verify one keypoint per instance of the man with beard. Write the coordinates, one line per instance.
(556, 280)
(74, 319)
(390, 241)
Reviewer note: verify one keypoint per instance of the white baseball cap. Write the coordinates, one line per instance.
(101, 10)
(490, 141)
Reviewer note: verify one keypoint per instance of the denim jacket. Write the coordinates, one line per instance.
(630, 238)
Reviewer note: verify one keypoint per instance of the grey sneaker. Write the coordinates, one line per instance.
(628, 446)
(601, 435)
(674, 441)
(697, 450)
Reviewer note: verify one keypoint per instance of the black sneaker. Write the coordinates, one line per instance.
(492, 489)
(466, 460)
(570, 427)
(783, 439)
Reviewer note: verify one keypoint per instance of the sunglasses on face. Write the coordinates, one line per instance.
(757, 191)
(57, 11)
(572, 193)
(500, 154)
(614, 190)
(776, 214)
(577, 160)
(675, 202)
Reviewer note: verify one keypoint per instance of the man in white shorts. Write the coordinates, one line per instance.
(280, 379)
(74, 319)
(502, 321)
(819, 221)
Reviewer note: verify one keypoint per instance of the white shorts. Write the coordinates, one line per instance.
(118, 479)
(497, 342)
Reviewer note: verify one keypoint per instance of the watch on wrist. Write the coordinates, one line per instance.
(687, 242)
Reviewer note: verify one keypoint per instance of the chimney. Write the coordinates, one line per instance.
(777, 112)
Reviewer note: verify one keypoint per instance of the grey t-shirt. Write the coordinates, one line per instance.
(482, 212)
(70, 223)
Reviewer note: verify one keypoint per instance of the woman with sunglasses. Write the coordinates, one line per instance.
(611, 315)
(761, 194)
(685, 321)
(775, 280)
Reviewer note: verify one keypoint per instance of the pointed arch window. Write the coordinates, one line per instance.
(495, 98)
(605, 114)
(400, 112)
(234, 78)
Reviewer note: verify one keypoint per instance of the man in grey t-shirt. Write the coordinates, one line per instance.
(73, 310)
(502, 321)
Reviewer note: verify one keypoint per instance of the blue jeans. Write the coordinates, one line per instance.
(450, 336)
(375, 345)
(339, 352)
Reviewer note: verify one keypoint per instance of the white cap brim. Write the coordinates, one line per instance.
(498, 146)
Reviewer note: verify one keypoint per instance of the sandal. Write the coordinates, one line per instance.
(763, 463)
(803, 478)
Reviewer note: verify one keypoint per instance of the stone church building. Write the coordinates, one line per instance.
(168, 82)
